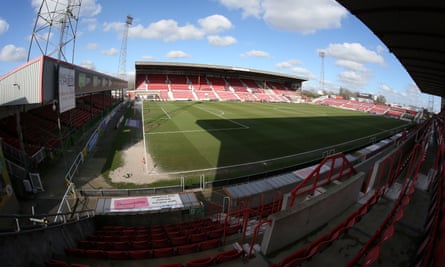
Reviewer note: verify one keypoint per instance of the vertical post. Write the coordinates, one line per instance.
(182, 184)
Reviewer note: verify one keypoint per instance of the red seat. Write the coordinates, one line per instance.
(95, 254)
(297, 254)
(121, 245)
(218, 233)
(117, 255)
(194, 238)
(388, 233)
(227, 256)
(163, 252)
(57, 263)
(160, 243)
(209, 244)
(103, 245)
(140, 244)
(171, 265)
(372, 256)
(80, 265)
(203, 262)
(187, 249)
(233, 230)
(177, 241)
(140, 254)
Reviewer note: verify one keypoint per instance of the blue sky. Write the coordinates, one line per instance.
(282, 36)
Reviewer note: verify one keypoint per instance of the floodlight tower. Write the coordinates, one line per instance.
(54, 32)
(322, 55)
(123, 53)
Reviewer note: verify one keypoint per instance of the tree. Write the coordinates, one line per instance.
(380, 99)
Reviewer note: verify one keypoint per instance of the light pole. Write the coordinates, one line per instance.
(322, 55)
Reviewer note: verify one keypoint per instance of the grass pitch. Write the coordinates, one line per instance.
(224, 140)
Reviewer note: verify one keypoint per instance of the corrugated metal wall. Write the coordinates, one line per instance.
(22, 86)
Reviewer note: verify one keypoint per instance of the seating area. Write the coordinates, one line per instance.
(119, 242)
(378, 109)
(39, 126)
(202, 88)
(407, 172)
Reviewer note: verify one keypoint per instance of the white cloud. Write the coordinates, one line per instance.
(249, 7)
(353, 57)
(91, 46)
(110, 52)
(147, 57)
(90, 8)
(351, 65)
(88, 64)
(91, 23)
(214, 24)
(354, 52)
(303, 72)
(177, 54)
(216, 40)
(12, 53)
(114, 26)
(4, 26)
(255, 53)
(169, 30)
(410, 95)
(353, 79)
(166, 30)
(288, 64)
(303, 16)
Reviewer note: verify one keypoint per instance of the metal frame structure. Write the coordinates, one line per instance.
(55, 29)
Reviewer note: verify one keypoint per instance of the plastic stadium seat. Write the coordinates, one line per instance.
(209, 244)
(140, 244)
(203, 262)
(117, 255)
(177, 241)
(163, 252)
(170, 265)
(297, 254)
(80, 265)
(194, 238)
(95, 254)
(160, 243)
(140, 254)
(104, 245)
(388, 233)
(57, 263)
(372, 256)
(121, 245)
(218, 233)
(227, 256)
(233, 230)
(187, 249)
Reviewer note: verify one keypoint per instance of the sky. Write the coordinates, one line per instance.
(283, 36)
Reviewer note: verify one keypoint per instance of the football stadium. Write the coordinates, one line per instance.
(211, 165)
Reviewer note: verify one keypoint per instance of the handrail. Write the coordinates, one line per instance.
(36, 222)
(315, 175)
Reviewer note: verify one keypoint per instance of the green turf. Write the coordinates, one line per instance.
(186, 136)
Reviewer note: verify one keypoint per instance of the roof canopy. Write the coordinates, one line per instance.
(216, 70)
(414, 32)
